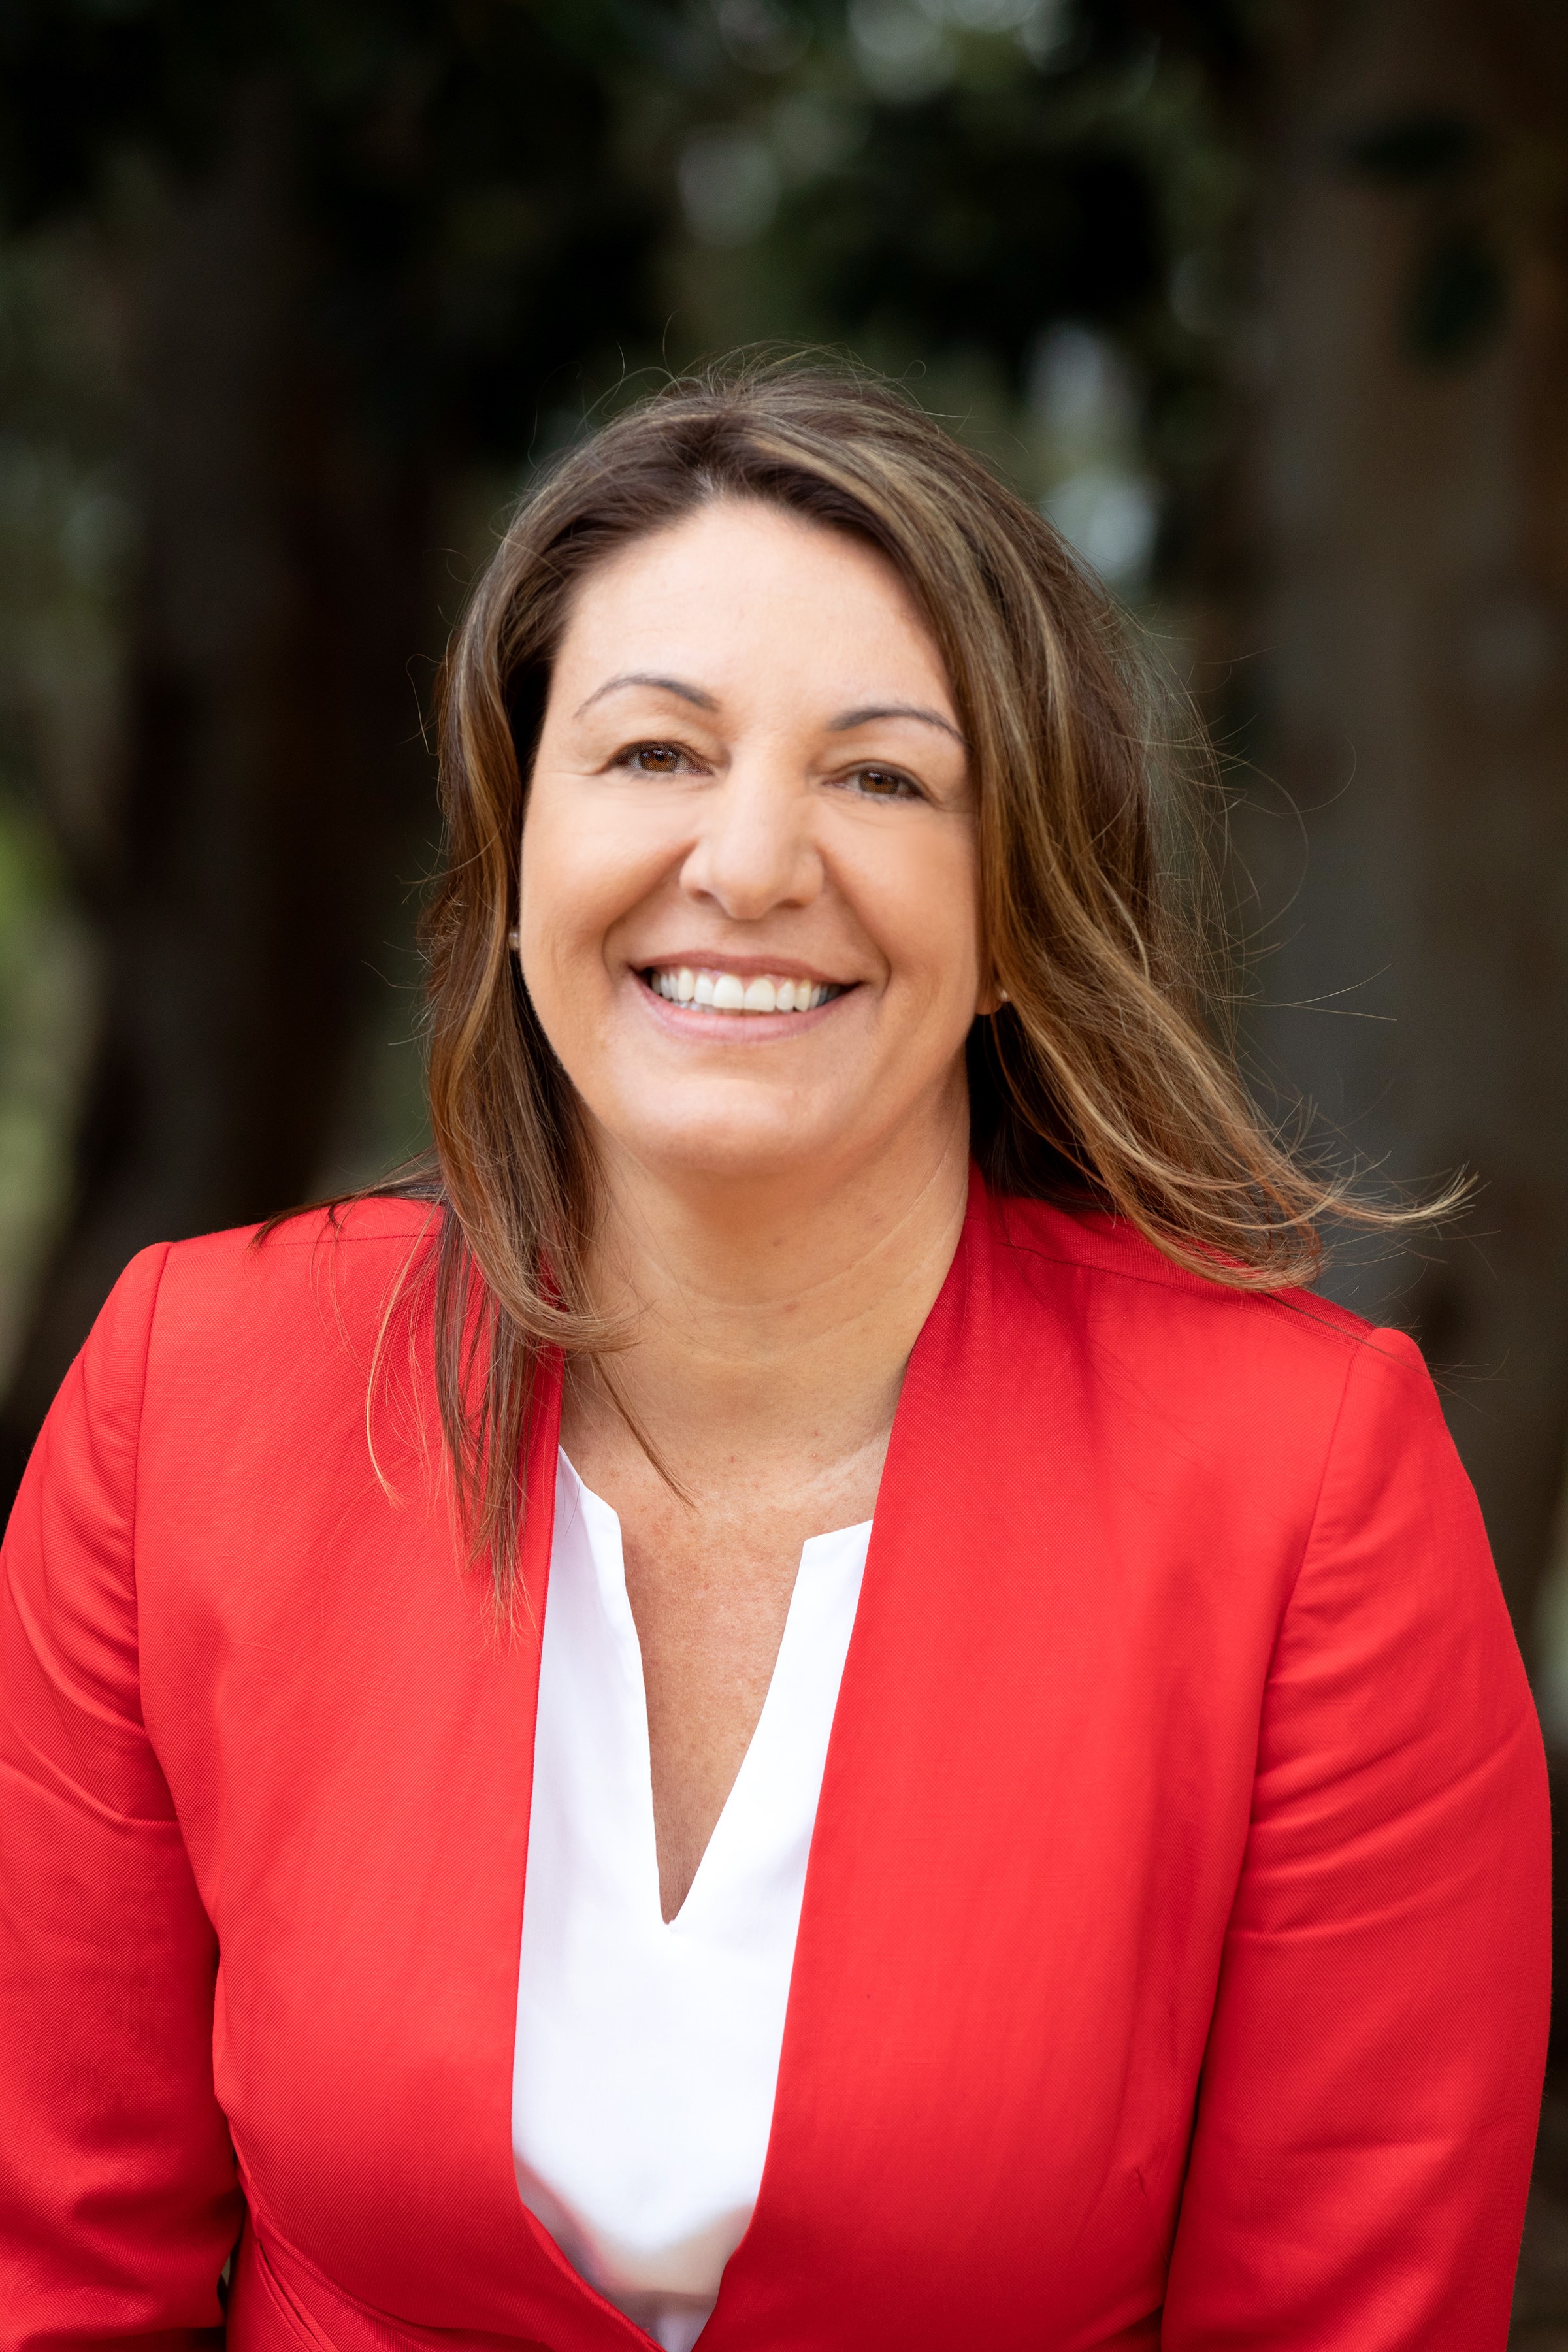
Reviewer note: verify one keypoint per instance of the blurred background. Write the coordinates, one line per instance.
(1266, 302)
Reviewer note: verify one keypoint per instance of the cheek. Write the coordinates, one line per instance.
(577, 879)
(927, 901)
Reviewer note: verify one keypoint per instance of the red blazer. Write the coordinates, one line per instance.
(1173, 1968)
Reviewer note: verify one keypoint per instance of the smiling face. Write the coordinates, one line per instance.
(747, 917)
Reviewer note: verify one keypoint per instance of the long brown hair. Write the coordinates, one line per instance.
(1106, 1078)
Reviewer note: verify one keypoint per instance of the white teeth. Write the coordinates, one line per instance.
(725, 992)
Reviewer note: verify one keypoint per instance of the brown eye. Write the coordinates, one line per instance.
(884, 783)
(655, 759)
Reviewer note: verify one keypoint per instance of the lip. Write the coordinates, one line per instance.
(698, 1023)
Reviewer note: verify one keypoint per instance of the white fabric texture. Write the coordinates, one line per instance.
(647, 2052)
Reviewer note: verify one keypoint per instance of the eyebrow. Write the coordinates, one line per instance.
(696, 695)
(871, 710)
(703, 700)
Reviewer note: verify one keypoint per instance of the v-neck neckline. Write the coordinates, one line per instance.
(703, 1902)
(937, 1337)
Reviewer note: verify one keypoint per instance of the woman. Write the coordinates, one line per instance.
(413, 1750)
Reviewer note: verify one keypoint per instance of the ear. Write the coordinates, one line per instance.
(991, 999)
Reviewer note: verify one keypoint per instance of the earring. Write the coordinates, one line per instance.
(513, 941)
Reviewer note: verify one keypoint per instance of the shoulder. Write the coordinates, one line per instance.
(347, 1252)
(1205, 1346)
(377, 1224)
(1124, 1272)
(255, 1308)
(1108, 1247)
(1301, 1449)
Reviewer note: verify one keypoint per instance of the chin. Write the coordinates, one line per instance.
(701, 1150)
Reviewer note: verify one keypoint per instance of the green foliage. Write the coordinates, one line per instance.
(65, 534)
(502, 197)
(452, 172)
(490, 218)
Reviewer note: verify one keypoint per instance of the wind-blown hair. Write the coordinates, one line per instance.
(1105, 1080)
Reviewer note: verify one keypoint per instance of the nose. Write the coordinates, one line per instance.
(755, 851)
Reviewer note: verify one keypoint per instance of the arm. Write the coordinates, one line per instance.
(118, 2195)
(1367, 2111)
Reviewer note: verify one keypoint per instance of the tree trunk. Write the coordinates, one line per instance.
(1412, 616)
(274, 773)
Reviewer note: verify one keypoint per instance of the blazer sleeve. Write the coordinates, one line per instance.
(118, 2201)
(1367, 2109)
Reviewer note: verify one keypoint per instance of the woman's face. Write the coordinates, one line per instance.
(749, 906)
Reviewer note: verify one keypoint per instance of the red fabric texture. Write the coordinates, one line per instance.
(1173, 1968)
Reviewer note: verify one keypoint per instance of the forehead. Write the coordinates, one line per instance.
(739, 584)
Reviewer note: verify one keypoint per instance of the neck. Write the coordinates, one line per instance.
(772, 1322)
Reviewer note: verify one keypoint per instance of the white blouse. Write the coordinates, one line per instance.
(647, 2052)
